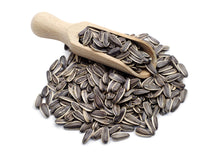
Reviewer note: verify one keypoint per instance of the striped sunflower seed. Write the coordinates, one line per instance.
(120, 135)
(44, 110)
(105, 135)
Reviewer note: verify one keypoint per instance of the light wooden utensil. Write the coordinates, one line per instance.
(48, 26)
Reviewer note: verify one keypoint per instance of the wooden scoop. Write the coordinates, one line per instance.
(48, 26)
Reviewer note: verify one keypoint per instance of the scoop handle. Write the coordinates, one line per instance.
(48, 26)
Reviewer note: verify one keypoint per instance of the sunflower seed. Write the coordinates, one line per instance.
(113, 51)
(97, 134)
(99, 114)
(98, 101)
(45, 91)
(181, 68)
(115, 40)
(147, 108)
(87, 117)
(117, 77)
(44, 109)
(183, 94)
(143, 132)
(140, 91)
(38, 101)
(87, 107)
(119, 95)
(87, 37)
(75, 106)
(118, 118)
(60, 122)
(116, 109)
(125, 47)
(73, 125)
(84, 127)
(87, 135)
(153, 40)
(154, 122)
(105, 135)
(53, 65)
(175, 104)
(120, 135)
(151, 68)
(114, 129)
(68, 116)
(161, 101)
(167, 90)
(132, 119)
(126, 128)
(60, 112)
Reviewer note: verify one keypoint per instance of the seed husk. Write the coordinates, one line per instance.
(125, 47)
(87, 117)
(113, 51)
(45, 92)
(115, 40)
(99, 114)
(117, 77)
(87, 135)
(161, 64)
(73, 125)
(87, 37)
(44, 110)
(153, 40)
(126, 128)
(78, 115)
(105, 135)
(98, 101)
(173, 77)
(87, 107)
(127, 84)
(54, 64)
(143, 132)
(97, 134)
(60, 121)
(84, 127)
(168, 105)
(165, 68)
(61, 111)
(132, 119)
(120, 135)
(181, 68)
(114, 129)
(119, 95)
(161, 101)
(105, 39)
(68, 116)
(118, 118)
(147, 108)
(175, 104)
(183, 94)
(38, 101)
(167, 90)
(140, 91)
(154, 122)
(68, 99)
(150, 67)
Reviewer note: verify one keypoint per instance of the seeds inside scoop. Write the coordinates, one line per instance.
(105, 103)
(118, 47)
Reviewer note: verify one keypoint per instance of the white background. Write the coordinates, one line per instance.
(192, 30)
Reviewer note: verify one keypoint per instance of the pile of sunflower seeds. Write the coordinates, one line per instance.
(119, 47)
(102, 102)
